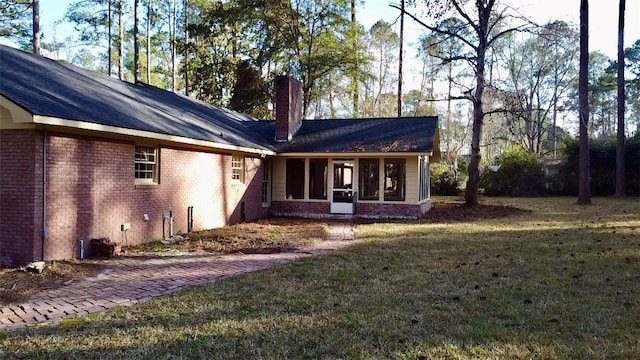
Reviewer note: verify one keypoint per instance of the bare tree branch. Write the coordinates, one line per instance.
(435, 29)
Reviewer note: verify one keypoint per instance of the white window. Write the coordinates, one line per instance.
(237, 169)
(146, 165)
(425, 191)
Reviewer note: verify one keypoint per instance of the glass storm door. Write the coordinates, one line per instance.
(342, 191)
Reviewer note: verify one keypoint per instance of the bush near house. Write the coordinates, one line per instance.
(519, 174)
(603, 166)
(443, 182)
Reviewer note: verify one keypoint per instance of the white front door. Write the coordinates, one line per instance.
(342, 191)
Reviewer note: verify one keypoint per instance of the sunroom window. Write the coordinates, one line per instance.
(295, 179)
(394, 179)
(425, 192)
(318, 169)
(369, 181)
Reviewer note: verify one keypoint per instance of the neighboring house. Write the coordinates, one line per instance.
(84, 155)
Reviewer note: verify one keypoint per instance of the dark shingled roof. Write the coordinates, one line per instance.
(55, 89)
(406, 134)
(52, 88)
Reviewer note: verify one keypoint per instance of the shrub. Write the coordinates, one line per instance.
(519, 174)
(603, 166)
(442, 180)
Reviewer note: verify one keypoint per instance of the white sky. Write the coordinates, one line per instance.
(603, 22)
(603, 18)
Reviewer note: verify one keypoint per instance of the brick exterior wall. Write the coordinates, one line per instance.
(20, 196)
(289, 107)
(380, 210)
(314, 209)
(365, 210)
(91, 191)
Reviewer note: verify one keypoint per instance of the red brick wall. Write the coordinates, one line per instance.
(20, 196)
(289, 106)
(300, 208)
(370, 210)
(382, 210)
(91, 191)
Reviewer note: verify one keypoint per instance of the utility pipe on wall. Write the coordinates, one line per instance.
(43, 233)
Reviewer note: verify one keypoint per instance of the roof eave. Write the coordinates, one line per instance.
(355, 154)
(75, 124)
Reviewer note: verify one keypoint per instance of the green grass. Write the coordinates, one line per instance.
(561, 281)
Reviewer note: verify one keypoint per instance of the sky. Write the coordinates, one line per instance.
(603, 22)
(603, 19)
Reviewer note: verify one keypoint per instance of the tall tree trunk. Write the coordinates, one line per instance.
(186, 47)
(174, 21)
(234, 42)
(109, 41)
(471, 192)
(121, 42)
(136, 42)
(400, 58)
(356, 68)
(149, 13)
(36, 26)
(620, 170)
(584, 188)
(554, 131)
(332, 107)
(376, 104)
(448, 135)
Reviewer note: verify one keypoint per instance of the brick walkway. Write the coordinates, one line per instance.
(131, 280)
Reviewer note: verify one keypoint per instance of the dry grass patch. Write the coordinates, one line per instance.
(263, 236)
(557, 282)
(17, 286)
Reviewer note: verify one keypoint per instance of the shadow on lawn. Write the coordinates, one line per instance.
(556, 293)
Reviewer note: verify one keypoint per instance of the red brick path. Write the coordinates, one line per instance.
(133, 280)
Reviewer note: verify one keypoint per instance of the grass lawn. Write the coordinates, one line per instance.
(560, 281)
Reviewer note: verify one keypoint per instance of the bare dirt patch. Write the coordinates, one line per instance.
(270, 235)
(455, 212)
(18, 286)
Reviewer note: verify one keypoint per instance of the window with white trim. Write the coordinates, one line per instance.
(369, 179)
(425, 191)
(146, 165)
(395, 171)
(318, 171)
(237, 168)
(294, 182)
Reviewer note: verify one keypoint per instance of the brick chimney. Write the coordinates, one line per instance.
(289, 98)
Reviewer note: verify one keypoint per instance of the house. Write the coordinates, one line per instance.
(84, 155)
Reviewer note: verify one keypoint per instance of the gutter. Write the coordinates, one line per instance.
(82, 125)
